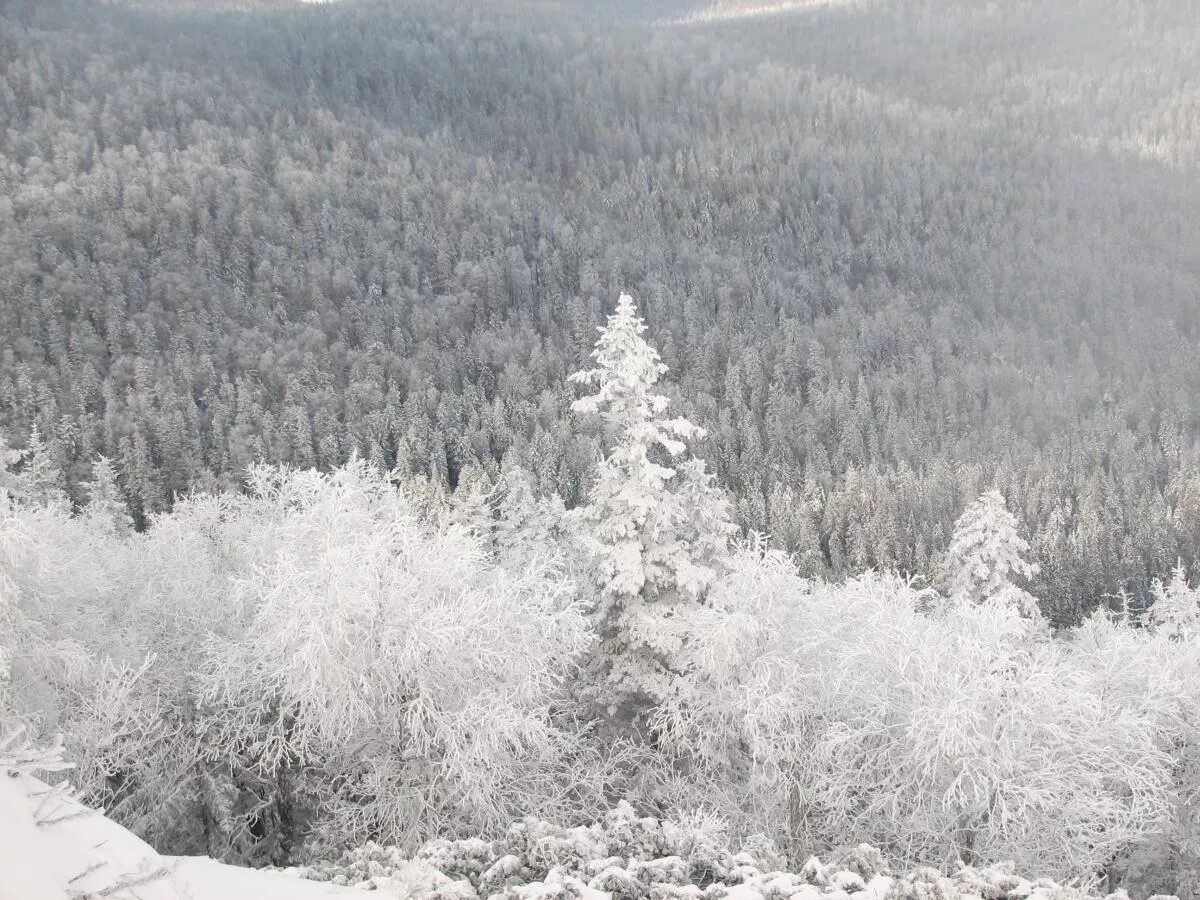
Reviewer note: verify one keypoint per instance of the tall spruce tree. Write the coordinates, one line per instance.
(654, 525)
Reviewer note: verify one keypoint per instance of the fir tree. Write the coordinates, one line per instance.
(985, 561)
(105, 502)
(472, 504)
(655, 524)
(31, 475)
(530, 524)
(9, 459)
(1176, 609)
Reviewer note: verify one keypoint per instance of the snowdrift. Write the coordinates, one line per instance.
(52, 848)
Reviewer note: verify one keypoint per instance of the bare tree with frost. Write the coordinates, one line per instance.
(846, 712)
(396, 660)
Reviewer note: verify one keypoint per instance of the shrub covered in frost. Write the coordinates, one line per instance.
(626, 856)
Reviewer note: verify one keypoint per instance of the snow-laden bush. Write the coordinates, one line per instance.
(394, 658)
(1158, 667)
(116, 626)
(50, 569)
(325, 654)
(628, 857)
(312, 648)
(969, 734)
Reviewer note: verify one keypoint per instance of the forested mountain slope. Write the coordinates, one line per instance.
(894, 253)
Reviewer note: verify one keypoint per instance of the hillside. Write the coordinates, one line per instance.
(766, 431)
(897, 253)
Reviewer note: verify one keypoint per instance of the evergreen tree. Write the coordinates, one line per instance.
(985, 561)
(530, 525)
(655, 524)
(31, 475)
(1176, 609)
(471, 504)
(9, 458)
(105, 502)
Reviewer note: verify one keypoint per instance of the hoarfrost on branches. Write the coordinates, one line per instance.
(654, 524)
(985, 562)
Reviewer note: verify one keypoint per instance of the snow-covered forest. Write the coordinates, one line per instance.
(895, 253)
(535, 449)
(330, 659)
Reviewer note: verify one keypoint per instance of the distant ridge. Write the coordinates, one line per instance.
(720, 10)
(211, 4)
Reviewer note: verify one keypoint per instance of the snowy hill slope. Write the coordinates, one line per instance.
(52, 847)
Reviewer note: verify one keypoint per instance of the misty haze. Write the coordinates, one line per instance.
(600, 449)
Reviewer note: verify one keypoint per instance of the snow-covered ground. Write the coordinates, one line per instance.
(54, 848)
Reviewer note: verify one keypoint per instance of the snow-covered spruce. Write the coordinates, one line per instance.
(655, 524)
(627, 856)
(985, 562)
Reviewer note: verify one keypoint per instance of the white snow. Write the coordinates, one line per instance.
(205, 878)
(53, 848)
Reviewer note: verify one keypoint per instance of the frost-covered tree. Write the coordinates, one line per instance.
(528, 523)
(654, 525)
(1169, 657)
(985, 562)
(513, 521)
(31, 476)
(472, 504)
(9, 458)
(844, 711)
(11, 544)
(105, 503)
(1176, 608)
(390, 659)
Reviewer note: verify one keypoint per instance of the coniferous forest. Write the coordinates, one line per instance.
(779, 419)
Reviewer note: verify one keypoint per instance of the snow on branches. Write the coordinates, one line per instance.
(1176, 608)
(624, 856)
(394, 657)
(655, 524)
(985, 561)
(855, 716)
(343, 656)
